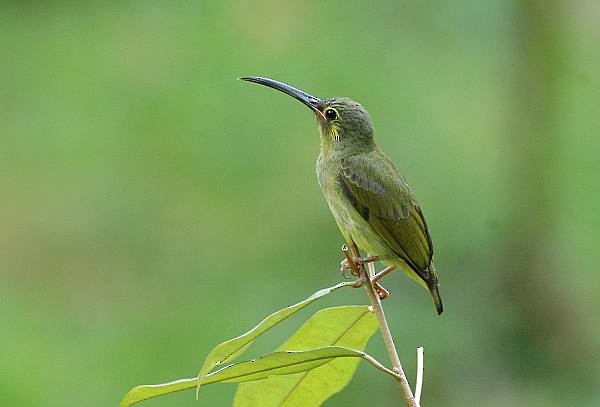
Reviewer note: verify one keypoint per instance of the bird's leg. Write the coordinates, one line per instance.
(355, 268)
(382, 292)
(356, 265)
(382, 274)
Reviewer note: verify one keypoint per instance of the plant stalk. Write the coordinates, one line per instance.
(383, 325)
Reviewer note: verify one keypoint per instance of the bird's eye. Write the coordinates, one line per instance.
(331, 114)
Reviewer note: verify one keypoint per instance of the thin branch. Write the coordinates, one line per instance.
(383, 325)
(380, 366)
(419, 384)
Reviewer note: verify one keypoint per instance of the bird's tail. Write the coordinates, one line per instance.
(437, 300)
(432, 285)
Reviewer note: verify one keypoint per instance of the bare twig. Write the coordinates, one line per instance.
(383, 325)
(419, 384)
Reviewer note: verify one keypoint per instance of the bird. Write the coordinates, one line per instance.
(370, 200)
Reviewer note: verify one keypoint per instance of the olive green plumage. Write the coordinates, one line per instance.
(370, 201)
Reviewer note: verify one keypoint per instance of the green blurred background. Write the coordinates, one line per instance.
(152, 206)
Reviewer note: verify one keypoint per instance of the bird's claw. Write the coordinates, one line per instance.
(345, 267)
(359, 261)
(360, 281)
(381, 291)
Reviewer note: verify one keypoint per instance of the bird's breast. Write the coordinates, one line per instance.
(351, 223)
(341, 208)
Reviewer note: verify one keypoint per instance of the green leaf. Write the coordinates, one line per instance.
(280, 363)
(223, 352)
(147, 391)
(233, 348)
(276, 363)
(349, 327)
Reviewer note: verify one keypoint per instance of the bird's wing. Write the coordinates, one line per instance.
(383, 198)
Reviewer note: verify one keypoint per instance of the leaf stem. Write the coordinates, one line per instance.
(380, 366)
(383, 325)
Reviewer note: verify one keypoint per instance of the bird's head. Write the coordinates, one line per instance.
(343, 123)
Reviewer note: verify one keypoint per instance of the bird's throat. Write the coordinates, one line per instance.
(330, 135)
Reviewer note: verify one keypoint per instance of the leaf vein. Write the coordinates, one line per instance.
(334, 343)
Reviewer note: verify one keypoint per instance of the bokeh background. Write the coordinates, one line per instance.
(152, 206)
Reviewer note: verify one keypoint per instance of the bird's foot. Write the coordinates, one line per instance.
(382, 292)
(356, 266)
(346, 269)
(345, 266)
(360, 281)
(362, 278)
(379, 289)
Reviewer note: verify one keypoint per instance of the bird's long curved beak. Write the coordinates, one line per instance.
(311, 101)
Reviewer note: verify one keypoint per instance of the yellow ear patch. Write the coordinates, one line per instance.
(331, 115)
(335, 132)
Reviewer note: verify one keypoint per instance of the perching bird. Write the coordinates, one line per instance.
(369, 199)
